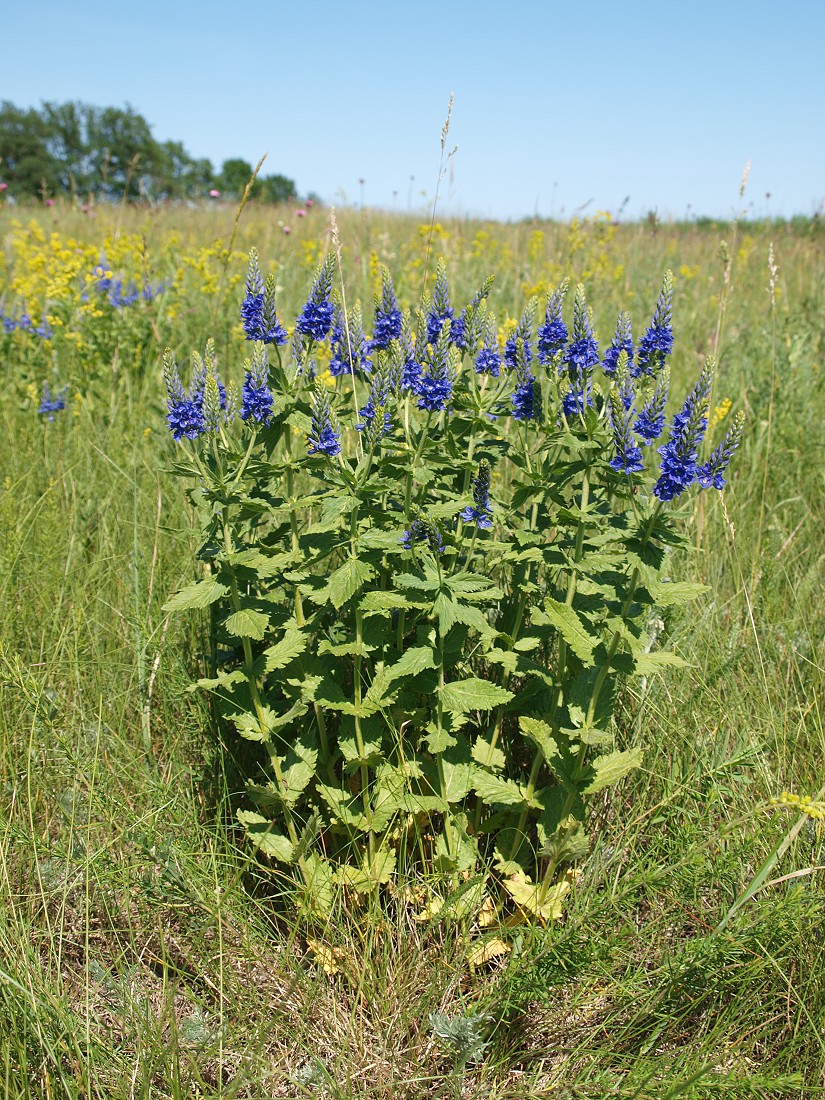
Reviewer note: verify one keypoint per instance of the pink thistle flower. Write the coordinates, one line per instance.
(301, 213)
(213, 194)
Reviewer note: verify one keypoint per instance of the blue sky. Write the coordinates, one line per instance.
(556, 105)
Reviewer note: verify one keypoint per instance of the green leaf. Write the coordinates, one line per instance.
(567, 843)
(375, 603)
(540, 734)
(292, 645)
(670, 593)
(261, 833)
(606, 771)
(347, 580)
(571, 628)
(247, 623)
(464, 696)
(198, 595)
(646, 664)
(488, 755)
(495, 790)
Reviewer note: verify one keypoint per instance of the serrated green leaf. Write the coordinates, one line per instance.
(291, 645)
(464, 696)
(490, 756)
(671, 593)
(374, 603)
(264, 838)
(571, 628)
(495, 790)
(567, 843)
(247, 623)
(346, 580)
(222, 680)
(198, 595)
(646, 664)
(606, 771)
(541, 735)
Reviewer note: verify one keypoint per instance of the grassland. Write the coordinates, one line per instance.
(144, 953)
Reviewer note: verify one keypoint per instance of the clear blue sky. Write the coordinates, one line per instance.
(555, 104)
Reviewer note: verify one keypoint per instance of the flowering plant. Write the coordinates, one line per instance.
(429, 569)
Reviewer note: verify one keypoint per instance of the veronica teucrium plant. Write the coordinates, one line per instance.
(429, 571)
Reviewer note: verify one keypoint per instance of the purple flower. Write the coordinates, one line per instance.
(526, 399)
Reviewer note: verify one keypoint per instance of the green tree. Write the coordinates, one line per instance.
(25, 161)
(274, 189)
(235, 175)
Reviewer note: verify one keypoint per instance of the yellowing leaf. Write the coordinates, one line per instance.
(526, 895)
(485, 950)
(332, 959)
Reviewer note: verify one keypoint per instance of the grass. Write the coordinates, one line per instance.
(144, 954)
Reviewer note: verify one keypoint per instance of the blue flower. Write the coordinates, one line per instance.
(377, 402)
(435, 388)
(522, 332)
(466, 329)
(583, 352)
(479, 512)
(256, 397)
(710, 475)
(657, 342)
(323, 438)
(526, 400)
(622, 341)
(423, 530)
(488, 360)
(350, 347)
(256, 401)
(628, 457)
(441, 310)
(185, 413)
(387, 324)
(679, 468)
(50, 405)
(552, 334)
(185, 419)
(578, 397)
(650, 422)
(315, 319)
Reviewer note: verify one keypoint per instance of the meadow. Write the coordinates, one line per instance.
(146, 950)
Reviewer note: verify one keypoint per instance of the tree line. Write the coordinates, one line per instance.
(110, 153)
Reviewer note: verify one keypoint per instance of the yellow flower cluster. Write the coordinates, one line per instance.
(803, 803)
